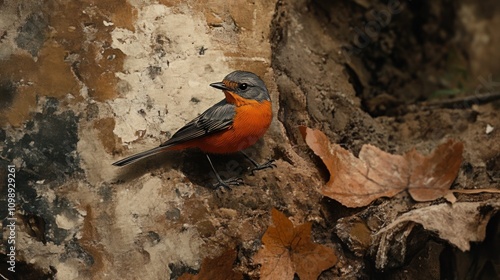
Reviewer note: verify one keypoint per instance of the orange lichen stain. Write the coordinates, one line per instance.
(243, 14)
(54, 77)
(19, 111)
(214, 11)
(77, 51)
(122, 15)
(84, 28)
(174, 3)
(97, 70)
(49, 76)
(71, 19)
(19, 70)
(90, 235)
(67, 24)
(109, 140)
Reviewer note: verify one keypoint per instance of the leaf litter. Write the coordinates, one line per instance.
(288, 249)
(356, 182)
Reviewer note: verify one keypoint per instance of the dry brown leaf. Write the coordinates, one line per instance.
(431, 176)
(217, 268)
(459, 223)
(288, 249)
(356, 182)
(450, 197)
(476, 191)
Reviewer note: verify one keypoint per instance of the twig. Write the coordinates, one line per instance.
(463, 102)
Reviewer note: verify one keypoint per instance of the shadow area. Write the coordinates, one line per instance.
(192, 163)
(154, 164)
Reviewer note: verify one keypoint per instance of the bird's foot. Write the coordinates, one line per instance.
(227, 184)
(269, 164)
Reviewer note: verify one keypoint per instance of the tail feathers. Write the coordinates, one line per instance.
(139, 156)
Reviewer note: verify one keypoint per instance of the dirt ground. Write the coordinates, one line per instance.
(394, 74)
(387, 86)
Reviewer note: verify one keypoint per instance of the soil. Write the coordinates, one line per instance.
(396, 67)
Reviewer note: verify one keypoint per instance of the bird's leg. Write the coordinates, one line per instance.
(224, 183)
(268, 164)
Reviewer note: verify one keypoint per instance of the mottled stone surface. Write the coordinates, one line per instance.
(84, 83)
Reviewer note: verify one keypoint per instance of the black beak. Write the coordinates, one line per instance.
(220, 85)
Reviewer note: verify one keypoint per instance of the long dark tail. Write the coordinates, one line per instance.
(136, 157)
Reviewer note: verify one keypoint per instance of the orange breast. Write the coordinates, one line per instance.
(251, 122)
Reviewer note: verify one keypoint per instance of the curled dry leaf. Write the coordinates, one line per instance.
(288, 249)
(356, 182)
(459, 224)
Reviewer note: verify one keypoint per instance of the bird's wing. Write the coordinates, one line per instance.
(217, 118)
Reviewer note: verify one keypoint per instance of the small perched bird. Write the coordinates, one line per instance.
(233, 124)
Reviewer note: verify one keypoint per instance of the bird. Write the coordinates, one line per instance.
(233, 124)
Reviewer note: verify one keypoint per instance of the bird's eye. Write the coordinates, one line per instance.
(243, 86)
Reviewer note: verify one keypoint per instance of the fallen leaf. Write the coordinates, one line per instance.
(459, 224)
(217, 268)
(450, 196)
(356, 182)
(431, 176)
(476, 191)
(288, 249)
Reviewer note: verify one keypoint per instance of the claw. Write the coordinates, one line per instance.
(226, 184)
(269, 164)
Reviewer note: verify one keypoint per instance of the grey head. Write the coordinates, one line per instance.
(245, 84)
